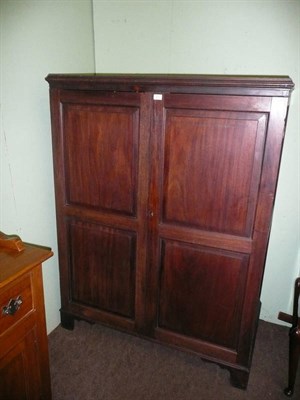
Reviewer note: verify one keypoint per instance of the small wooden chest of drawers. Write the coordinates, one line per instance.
(24, 359)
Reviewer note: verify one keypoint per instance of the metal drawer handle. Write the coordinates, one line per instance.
(13, 306)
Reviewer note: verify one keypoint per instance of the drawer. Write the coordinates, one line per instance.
(22, 289)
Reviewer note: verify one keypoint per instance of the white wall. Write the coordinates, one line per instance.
(37, 37)
(219, 37)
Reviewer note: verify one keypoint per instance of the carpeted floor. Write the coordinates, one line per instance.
(97, 363)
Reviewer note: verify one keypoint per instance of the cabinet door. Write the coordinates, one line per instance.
(101, 176)
(19, 368)
(207, 227)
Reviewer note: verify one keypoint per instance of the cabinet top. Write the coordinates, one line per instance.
(175, 83)
(14, 263)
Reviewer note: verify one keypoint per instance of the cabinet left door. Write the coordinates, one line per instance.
(100, 142)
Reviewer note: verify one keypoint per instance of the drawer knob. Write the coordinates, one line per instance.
(13, 306)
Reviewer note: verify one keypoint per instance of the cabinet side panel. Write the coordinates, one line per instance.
(102, 264)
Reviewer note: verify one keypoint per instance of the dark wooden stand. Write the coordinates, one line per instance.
(294, 345)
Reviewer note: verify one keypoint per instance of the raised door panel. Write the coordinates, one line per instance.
(100, 145)
(102, 263)
(201, 292)
(212, 165)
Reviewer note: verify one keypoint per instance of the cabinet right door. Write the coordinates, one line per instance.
(213, 180)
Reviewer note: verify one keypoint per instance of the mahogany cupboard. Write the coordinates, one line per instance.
(165, 186)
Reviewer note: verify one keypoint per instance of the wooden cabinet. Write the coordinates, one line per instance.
(24, 360)
(164, 192)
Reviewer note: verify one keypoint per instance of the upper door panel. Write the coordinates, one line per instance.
(100, 155)
(212, 167)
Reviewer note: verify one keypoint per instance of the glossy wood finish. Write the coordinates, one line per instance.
(24, 360)
(164, 192)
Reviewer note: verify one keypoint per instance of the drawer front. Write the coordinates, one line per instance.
(10, 311)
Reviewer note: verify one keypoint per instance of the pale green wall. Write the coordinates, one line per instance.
(37, 37)
(219, 37)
